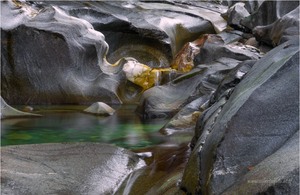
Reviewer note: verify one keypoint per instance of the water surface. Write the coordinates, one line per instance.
(69, 124)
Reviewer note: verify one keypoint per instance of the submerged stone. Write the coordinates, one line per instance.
(77, 168)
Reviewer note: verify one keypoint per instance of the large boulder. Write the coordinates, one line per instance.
(78, 168)
(277, 174)
(240, 130)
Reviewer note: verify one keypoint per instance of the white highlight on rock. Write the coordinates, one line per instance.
(100, 108)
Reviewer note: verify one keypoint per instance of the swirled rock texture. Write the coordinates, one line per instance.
(79, 168)
(55, 52)
(239, 131)
(49, 57)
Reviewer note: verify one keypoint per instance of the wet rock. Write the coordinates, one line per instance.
(151, 32)
(79, 168)
(231, 80)
(65, 57)
(186, 118)
(100, 108)
(49, 57)
(9, 112)
(214, 61)
(280, 31)
(238, 133)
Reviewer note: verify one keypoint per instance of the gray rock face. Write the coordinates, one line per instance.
(49, 57)
(277, 174)
(52, 54)
(235, 14)
(214, 61)
(283, 29)
(79, 168)
(268, 12)
(258, 118)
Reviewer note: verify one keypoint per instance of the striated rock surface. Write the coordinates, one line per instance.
(79, 168)
(240, 130)
(49, 57)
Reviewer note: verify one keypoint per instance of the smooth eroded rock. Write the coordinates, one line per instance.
(237, 133)
(77, 168)
(100, 108)
(9, 112)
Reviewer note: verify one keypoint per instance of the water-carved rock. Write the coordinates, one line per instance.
(8, 111)
(76, 168)
(238, 133)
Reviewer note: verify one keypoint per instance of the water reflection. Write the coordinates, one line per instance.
(69, 124)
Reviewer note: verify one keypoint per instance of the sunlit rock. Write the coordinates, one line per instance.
(76, 168)
(9, 112)
(143, 75)
(213, 62)
(246, 126)
(100, 108)
(184, 60)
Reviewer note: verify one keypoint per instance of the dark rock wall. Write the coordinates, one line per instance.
(260, 115)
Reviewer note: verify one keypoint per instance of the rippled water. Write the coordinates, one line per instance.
(69, 124)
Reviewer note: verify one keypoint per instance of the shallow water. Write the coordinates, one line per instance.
(70, 124)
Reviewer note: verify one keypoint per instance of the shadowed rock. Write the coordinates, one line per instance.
(268, 12)
(51, 53)
(214, 61)
(281, 30)
(277, 174)
(238, 133)
(79, 168)
(49, 57)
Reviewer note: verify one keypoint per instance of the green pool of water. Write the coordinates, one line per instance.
(68, 124)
